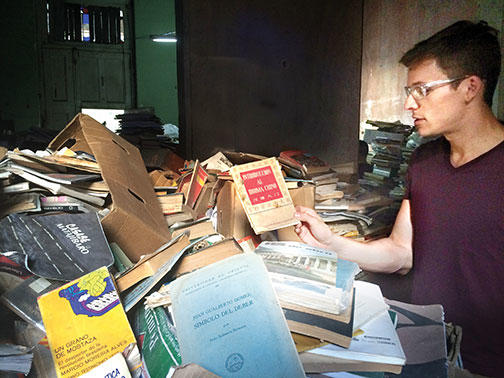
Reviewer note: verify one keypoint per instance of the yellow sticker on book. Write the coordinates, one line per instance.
(85, 323)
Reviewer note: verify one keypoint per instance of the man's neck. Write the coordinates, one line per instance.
(478, 134)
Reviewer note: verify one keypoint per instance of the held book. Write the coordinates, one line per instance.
(85, 323)
(264, 195)
(229, 321)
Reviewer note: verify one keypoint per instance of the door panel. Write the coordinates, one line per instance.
(88, 73)
(59, 89)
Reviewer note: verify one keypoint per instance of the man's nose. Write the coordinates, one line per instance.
(410, 103)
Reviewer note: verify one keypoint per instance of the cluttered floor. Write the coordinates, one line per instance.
(122, 259)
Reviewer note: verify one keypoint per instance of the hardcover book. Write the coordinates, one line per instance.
(150, 264)
(307, 163)
(85, 323)
(199, 258)
(171, 202)
(229, 321)
(326, 327)
(264, 195)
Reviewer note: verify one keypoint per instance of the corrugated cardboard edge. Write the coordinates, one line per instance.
(136, 220)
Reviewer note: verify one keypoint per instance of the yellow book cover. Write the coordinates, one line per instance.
(85, 323)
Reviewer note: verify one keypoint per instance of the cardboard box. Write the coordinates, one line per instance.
(304, 196)
(135, 221)
(231, 218)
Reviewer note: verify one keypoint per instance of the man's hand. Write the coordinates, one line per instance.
(312, 230)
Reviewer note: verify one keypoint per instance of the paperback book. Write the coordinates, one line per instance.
(229, 321)
(85, 323)
(58, 246)
(264, 195)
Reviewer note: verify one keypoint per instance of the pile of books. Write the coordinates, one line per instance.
(112, 268)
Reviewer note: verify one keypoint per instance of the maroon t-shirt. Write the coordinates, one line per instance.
(458, 246)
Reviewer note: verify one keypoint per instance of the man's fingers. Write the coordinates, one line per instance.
(309, 217)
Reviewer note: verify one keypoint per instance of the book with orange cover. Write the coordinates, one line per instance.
(264, 195)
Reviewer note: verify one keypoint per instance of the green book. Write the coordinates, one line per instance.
(160, 347)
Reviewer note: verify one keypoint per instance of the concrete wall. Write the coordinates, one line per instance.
(393, 27)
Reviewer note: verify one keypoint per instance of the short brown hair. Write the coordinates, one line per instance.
(464, 48)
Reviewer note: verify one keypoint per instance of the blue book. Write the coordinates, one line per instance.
(229, 321)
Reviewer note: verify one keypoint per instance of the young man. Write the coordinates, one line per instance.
(450, 227)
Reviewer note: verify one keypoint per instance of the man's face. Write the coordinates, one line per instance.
(440, 111)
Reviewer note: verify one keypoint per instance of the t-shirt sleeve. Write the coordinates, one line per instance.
(410, 174)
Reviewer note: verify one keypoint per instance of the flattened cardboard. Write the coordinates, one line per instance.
(135, 221)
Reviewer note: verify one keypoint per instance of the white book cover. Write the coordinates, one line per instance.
(378, 343)
(369, 303)
(229, 321)
(115, 366)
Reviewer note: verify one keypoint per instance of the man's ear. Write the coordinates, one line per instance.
(473, 87)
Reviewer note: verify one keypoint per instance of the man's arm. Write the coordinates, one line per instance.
(393, 254)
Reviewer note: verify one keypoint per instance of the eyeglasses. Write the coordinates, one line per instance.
(422, 90)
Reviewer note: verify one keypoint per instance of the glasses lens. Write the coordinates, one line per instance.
(416, 92)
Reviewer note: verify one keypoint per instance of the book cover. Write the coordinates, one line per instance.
(159, 344)
(115, 366)
(264, 195)
(198, 179)
(428, 353)
(229, 321)
(22, 299)
(308, 276)
(85, 323)
(379, 343)
(170, 202)
(58, 246)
